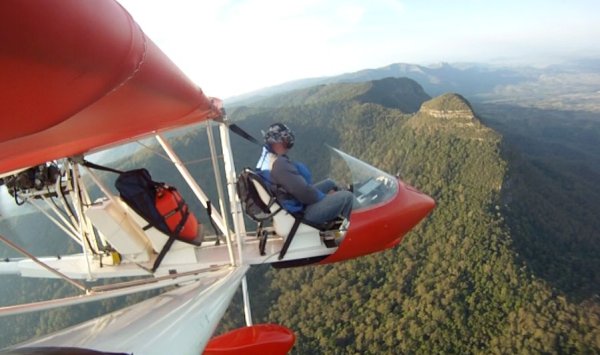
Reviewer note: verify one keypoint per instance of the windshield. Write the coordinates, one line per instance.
(370, 185)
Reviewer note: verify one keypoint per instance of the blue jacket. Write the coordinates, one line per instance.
(296, 181)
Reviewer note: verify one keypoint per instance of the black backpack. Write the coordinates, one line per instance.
(252, 204)
(138, 191)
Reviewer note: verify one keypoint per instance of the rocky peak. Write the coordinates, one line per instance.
(450, 114)
(449, 106)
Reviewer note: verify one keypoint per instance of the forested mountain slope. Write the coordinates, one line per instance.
(401, 93)
(551, 199)
(455, 284)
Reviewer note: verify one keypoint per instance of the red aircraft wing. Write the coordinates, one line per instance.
(81, 75)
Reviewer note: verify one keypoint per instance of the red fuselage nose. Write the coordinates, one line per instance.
(383, 226)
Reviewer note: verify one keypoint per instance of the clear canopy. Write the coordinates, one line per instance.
(370, 185)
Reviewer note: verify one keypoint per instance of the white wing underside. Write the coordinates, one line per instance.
(180, 321)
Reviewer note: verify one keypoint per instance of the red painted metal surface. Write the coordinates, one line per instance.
(80, 75)
(383, 226)
(258, 339)
(172, 207)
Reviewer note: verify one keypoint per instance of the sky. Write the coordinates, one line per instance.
(231, 47)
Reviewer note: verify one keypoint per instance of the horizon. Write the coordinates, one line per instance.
(233, 48)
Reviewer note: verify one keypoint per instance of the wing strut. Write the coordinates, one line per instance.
(202, 197)
(218, 180)
(236, 207)
(37, 261)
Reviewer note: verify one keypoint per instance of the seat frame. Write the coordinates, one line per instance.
(286, 224)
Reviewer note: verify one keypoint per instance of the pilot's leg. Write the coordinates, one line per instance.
(330, 207)
(325, 186)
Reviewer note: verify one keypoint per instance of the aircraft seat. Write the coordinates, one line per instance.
(306, 234)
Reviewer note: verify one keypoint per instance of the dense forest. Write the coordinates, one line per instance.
(551, 196)
(461, 282)
(508, 262)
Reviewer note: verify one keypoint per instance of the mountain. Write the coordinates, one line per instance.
(448, 106)
(458, 283)
(400, 93)
(450, 113)
(551, 194)
(571, 85)
(436, 79)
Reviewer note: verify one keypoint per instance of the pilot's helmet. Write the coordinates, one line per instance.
(280, 133)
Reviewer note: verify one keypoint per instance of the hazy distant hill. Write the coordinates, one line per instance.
(467, 79)
(572, 85)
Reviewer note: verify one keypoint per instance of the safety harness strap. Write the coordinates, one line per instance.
(289, 238)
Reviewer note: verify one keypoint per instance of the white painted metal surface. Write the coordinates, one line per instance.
(106, 292)
(118, 228)
(206, 256)
(236, 211)
(234, 202)
(219, 182)
(83, 233)
(177, 322)
(73, 266)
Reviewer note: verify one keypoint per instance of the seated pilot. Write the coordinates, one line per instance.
(292, 182)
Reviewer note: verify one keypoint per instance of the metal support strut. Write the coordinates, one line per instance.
(42, 264)
(236, 210)
(202, 197)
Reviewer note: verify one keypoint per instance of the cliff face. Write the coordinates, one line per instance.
(465, 115)
(449, 106)
(450, 113)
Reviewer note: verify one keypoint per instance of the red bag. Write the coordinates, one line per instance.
(174, 210)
